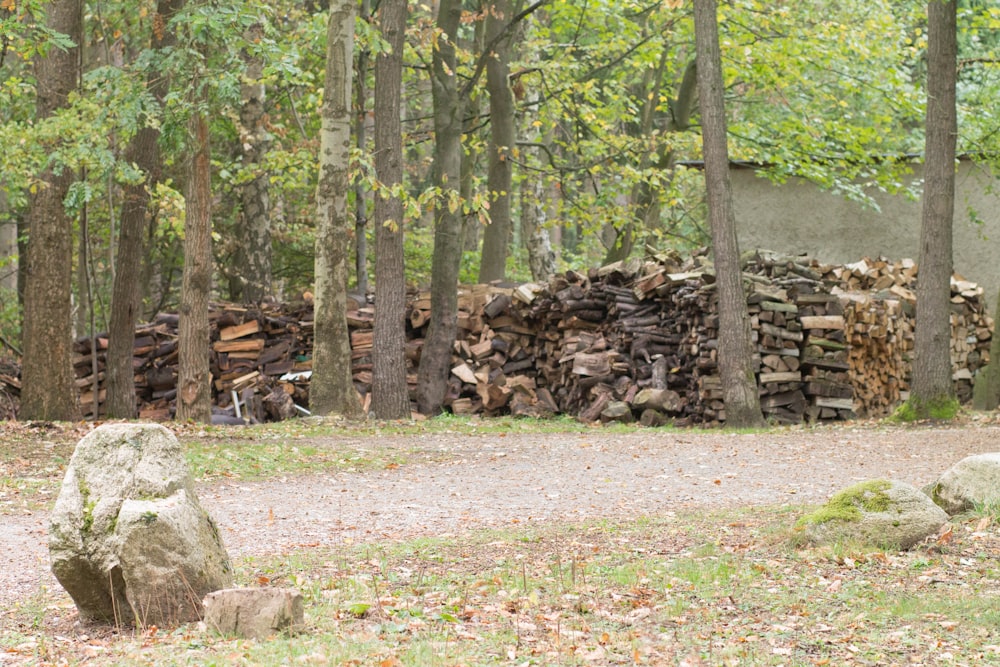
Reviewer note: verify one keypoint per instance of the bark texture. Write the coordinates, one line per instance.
(496, 236)
(254, 257)
(390, 397)
(932, 343)
(435, 359)
(331, 389)
(47, 373)
(535, 200)
(739, 386)
(194, 398)
(361, 141)
(144, 151)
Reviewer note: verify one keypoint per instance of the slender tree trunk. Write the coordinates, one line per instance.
(390, 398)
(932, 385)
(535, 203)
(435, 359)
(496, 236)
(254, 253)
(194, 398)
(739, 387)
(47, 373)
(361, 139)
(331, 389)
(144, 151)
(471, 153)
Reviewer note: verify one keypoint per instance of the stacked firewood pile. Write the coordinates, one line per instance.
(634, 340)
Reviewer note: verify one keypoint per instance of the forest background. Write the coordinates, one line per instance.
(148, 146)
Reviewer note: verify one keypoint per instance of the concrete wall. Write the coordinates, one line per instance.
(797, 217)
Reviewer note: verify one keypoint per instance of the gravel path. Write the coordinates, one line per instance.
(469, 482)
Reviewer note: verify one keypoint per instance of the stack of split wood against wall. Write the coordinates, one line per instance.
(628, 341)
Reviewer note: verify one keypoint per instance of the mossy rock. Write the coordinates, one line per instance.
(972, 482)
(881, 512)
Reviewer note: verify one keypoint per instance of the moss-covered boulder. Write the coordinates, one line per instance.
(128, 539)
(975, 480)
(884, 513)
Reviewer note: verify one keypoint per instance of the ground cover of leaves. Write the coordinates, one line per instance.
(702, 574)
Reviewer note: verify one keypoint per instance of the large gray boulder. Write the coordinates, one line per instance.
(975, 480)
(882, 512)
(128, 539)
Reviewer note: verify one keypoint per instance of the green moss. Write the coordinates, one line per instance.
(88, 506)
(847, 505)
(88, 515)
(944, 408)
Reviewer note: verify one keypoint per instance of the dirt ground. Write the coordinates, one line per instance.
(461, 482)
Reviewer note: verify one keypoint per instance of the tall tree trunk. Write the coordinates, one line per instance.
(194, 397)
(361, 139)
(932, 385)
(390, 398)
(739, 387)
(496, 236)
(144, 151)
(435, 358)
(331, 389)
(47, 372)
(254, 253)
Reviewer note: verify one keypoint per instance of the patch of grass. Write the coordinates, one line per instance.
(257, 459)
(707, 588)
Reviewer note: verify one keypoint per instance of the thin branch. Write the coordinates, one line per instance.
(488, 48)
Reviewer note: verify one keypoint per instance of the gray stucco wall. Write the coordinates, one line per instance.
(797, 217)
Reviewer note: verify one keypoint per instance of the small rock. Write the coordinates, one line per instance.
(661, 400)
(653, 419)
(254, 613)
(618, 411)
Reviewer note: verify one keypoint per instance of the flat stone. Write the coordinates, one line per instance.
(254, 613)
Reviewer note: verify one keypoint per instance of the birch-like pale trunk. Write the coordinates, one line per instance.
(331, 389)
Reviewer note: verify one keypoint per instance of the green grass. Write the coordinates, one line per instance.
(719, 588)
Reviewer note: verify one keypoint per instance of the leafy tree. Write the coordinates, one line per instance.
(739, 386)
(143, 151)
(331, 389)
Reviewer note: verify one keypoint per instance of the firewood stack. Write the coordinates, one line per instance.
(634, 340)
